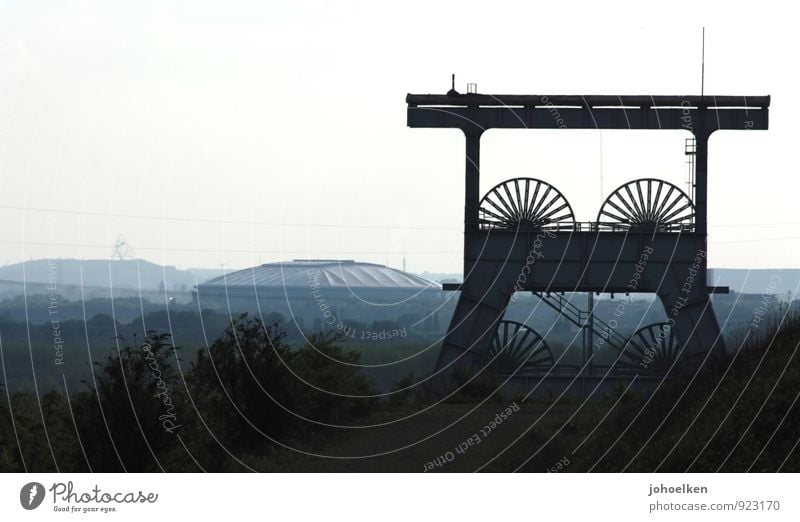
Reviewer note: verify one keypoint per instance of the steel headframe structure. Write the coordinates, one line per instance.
(521, 236)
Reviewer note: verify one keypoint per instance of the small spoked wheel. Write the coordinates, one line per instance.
(653, 349)
(516, 347)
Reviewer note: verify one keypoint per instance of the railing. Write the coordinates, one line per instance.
(592, 226)
(597, 372)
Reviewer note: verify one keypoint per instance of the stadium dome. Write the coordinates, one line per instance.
(315, 289)
(325, 273)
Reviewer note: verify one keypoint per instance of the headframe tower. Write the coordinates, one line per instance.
(521, 236)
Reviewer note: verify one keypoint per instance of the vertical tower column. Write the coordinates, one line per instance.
(588, 344)
(472, 194)
(701, 194)
(472, 190)
(685, 295)
(701, 180)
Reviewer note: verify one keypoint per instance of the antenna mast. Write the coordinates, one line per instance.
(122, 249)
(703, 64)
(452, 91)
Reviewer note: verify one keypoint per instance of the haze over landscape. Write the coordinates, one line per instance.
(212, 140)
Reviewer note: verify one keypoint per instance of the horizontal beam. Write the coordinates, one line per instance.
(456, 287)
(610, 249)
(501, 100)
(478, 119)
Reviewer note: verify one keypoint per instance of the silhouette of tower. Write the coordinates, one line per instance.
(649, 235)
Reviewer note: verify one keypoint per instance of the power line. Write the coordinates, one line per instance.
(219, 221)
(232, 251)
(795, 238)
(293, 225)
(728, 225)
(317, 252)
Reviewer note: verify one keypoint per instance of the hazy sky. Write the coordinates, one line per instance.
(265, 131)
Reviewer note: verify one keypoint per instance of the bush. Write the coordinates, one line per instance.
(130, 417)
(476, 387)
(253, 389)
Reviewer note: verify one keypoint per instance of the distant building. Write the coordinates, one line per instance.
(324, 293)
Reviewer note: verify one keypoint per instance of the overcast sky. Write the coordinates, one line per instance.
(266, 131)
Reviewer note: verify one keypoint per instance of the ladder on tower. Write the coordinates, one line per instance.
(690, 151)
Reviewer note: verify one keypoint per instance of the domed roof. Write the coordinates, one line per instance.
(327, 273)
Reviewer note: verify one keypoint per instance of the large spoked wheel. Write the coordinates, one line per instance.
(647, 205)
(516, 347)
(526, 204)
(653, 349)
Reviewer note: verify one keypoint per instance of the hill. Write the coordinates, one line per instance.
(128, 273)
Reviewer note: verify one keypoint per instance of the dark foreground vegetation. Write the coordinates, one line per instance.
(251, 401)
